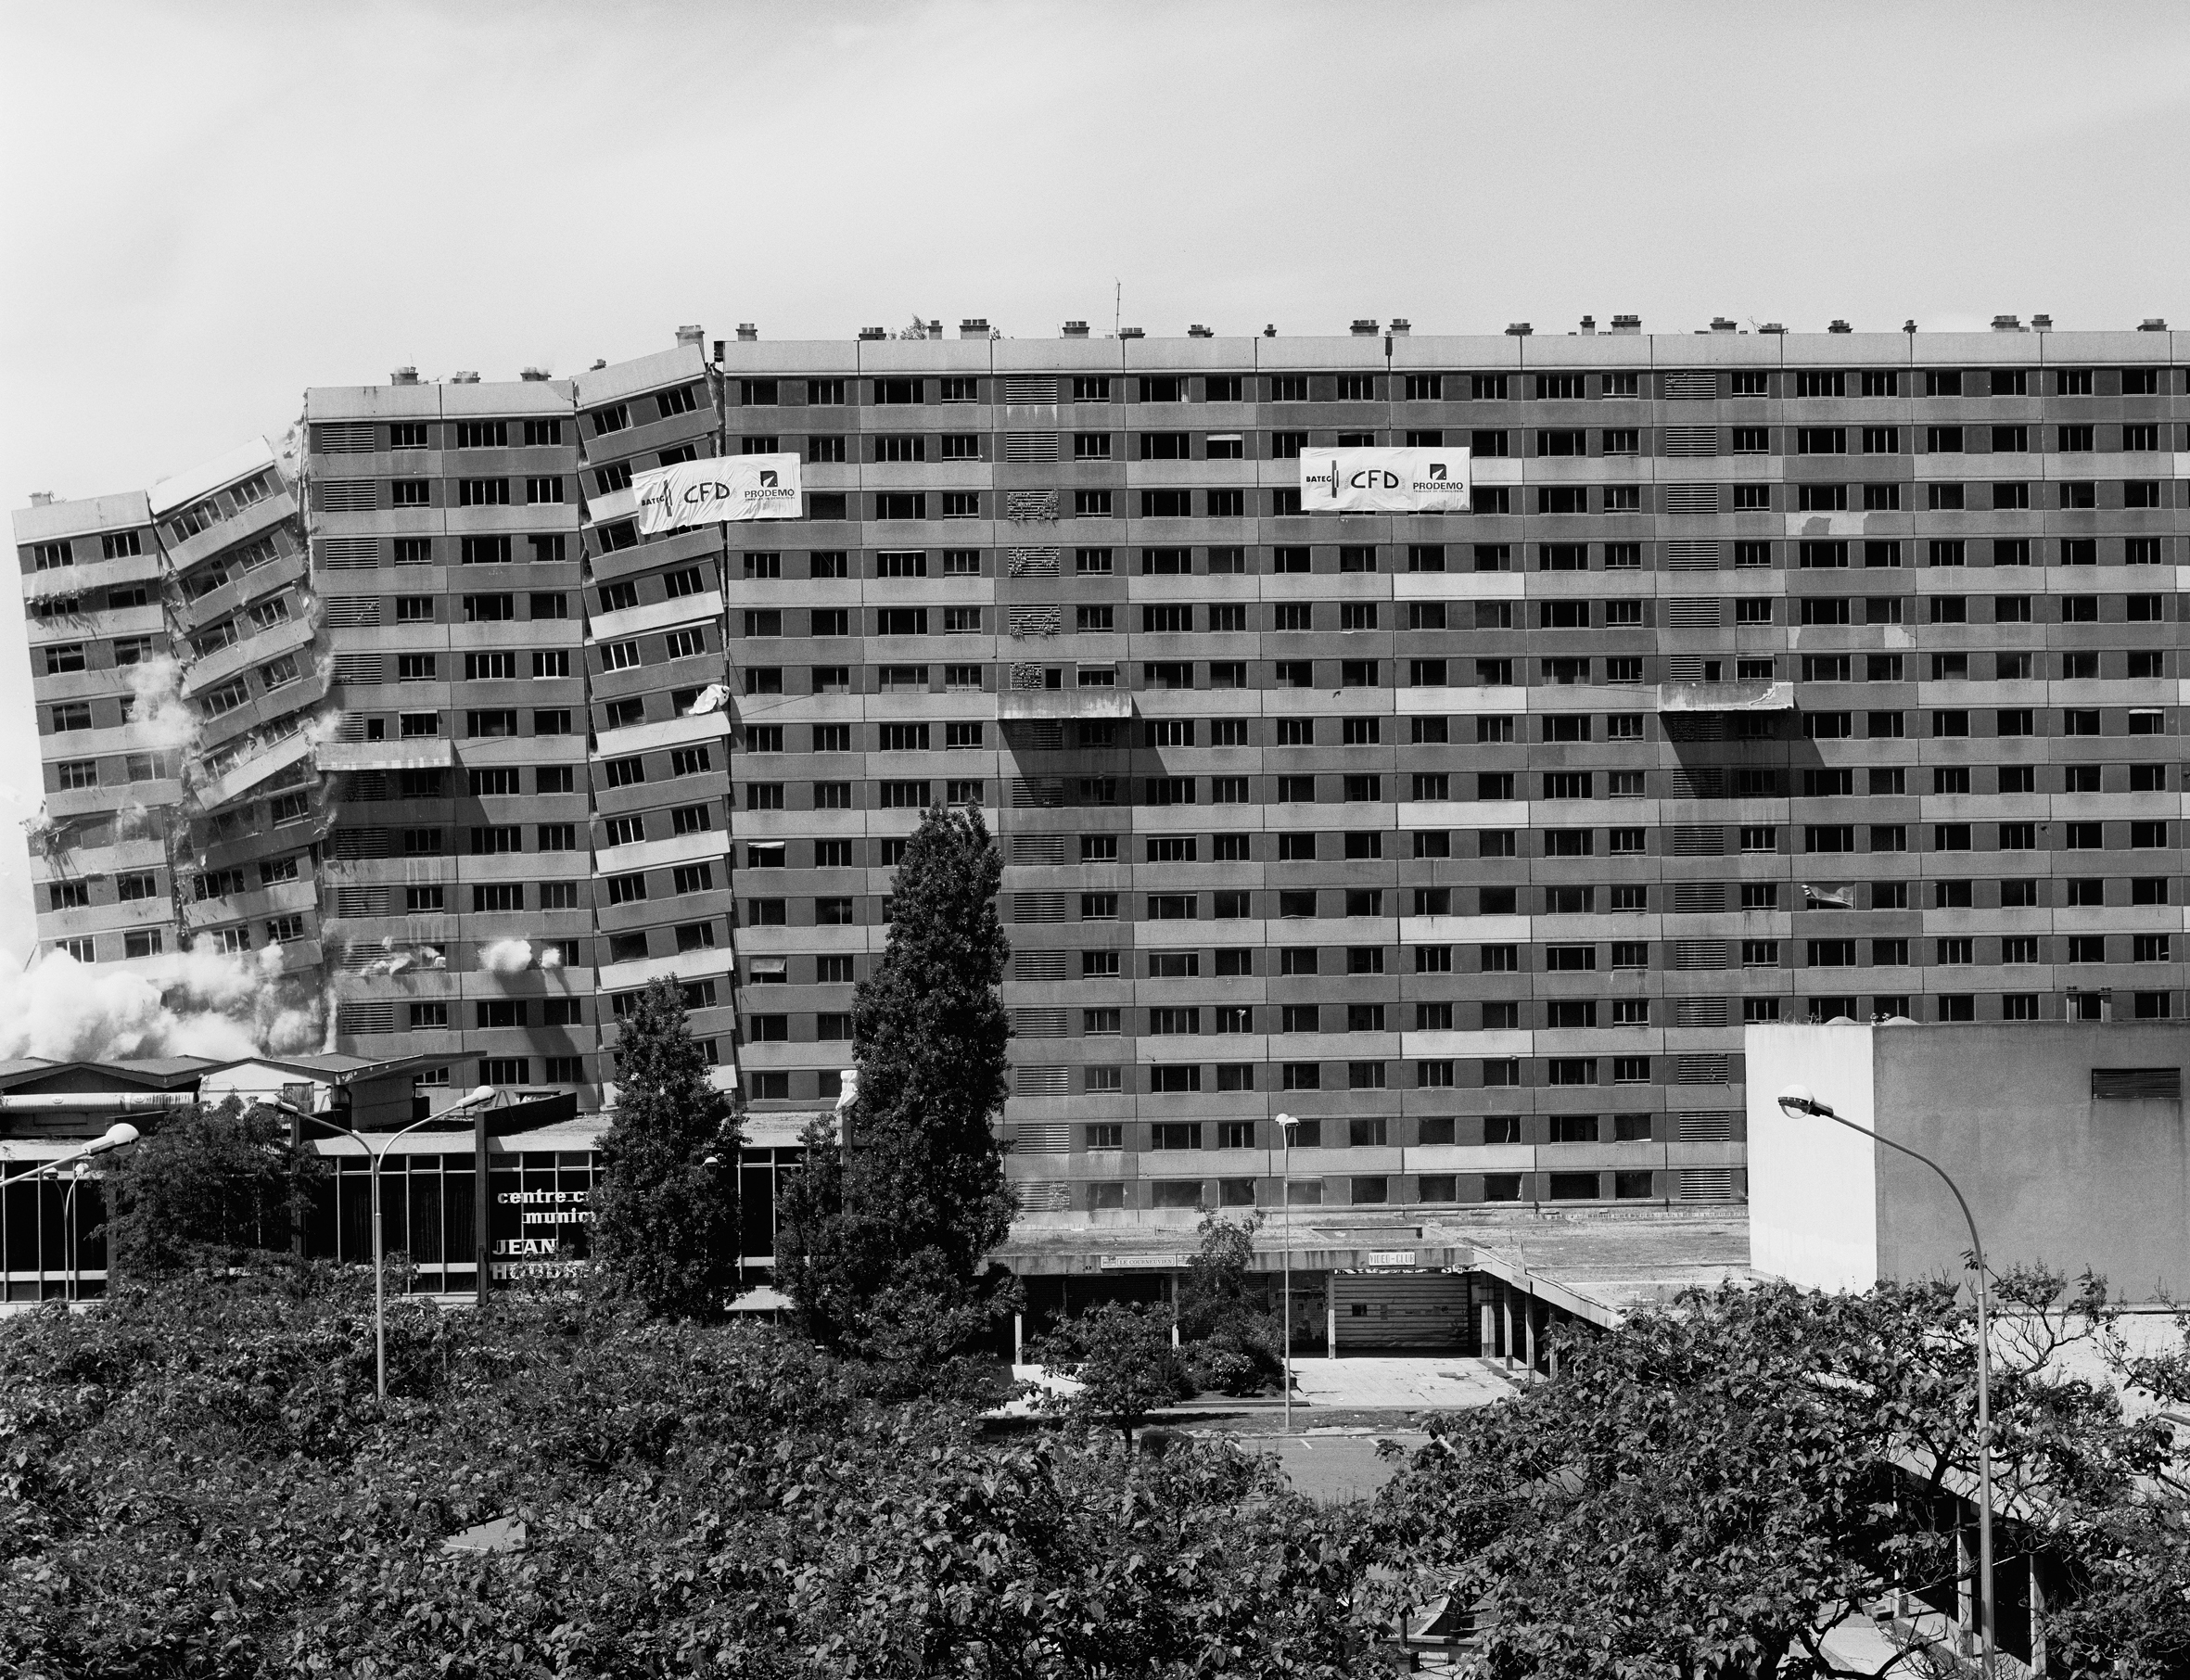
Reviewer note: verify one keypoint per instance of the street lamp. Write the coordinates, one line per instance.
(483, 1093)
(1285, 1125)
(121, 1135)
(1796, 1100)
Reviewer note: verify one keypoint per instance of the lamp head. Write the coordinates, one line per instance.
(476, 1096)
(121, 1135)
(1796, 1100)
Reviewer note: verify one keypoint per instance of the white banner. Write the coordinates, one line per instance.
(1387, 481)
(714, 493)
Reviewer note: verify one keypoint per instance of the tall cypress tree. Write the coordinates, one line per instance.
(665, 1220)
(884, 1239)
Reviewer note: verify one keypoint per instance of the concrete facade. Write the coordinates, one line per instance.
(2067, 1139)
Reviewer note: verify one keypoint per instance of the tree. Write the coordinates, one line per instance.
(665, 1210)
(1707, 1489)
(1232, 1337)
(884, 1239)
(222, 1188)
(1121, 1356)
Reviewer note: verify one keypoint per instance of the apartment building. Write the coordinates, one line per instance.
(1771, 678)
(175, 663)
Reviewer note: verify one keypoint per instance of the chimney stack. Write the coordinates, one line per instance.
(1518, 329)
(532, 375)
(1365, 329)
(464, 377)
(692, 336)
(973, 326)
(1627, 324)
(748, 332)
(1589, 326)
(1198, 331)
(1076, 330)
(403, 375)
(2152, 324)
(1719, 323)
(40, 498)
(1840, 326)
(1400, 326)
(2006, 323)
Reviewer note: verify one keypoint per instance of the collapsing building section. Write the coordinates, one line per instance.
(182, 685)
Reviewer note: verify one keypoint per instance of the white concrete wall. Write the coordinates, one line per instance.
(1813, 1186)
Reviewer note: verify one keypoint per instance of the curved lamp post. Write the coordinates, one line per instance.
(480, 1094)
(1796, 1100)
(121, 1135)
(1285, 1123)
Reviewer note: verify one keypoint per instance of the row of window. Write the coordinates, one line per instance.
(1453, 387)
(1375, 1132)
(1386, 1189)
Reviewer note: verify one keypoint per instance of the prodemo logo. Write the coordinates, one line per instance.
(1391, 480)
(714, 493)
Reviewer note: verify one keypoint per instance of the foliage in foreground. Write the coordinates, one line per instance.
(1705, 1490)
(207, 1186)
(197, 1482)
(665, 1211)
(882, 1243)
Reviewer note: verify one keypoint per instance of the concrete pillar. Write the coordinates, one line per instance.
(1171, 1290)
(1528, 1319)
(2038, 1608)
(1018, 1338)
(1505, 1323)
(1329, 1322)
(1965, 1588)
(1489, 1347)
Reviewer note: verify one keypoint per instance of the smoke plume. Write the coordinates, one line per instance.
(165, 721)
(204, 1002)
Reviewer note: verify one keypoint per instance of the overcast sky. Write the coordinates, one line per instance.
(210, 206)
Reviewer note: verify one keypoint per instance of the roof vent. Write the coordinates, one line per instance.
(1589, 326)
(1840, 326)
(1400, 326)
(40, 498)
(599, 362)
(1627, 324)
(1365, 329)
(1076, 330)
(869, 334)
(1518, 329)
(1909, 326)
(2041, 323)
(1772, 326)
(1131, 332)
(403, 375)
(1719, 323)
(748, 332)
(1198, 331)
(1270, 330)
(532, 375)
(973, 326)
(2152, 324)
(691, 335)
(2006, 323)
(464, 377)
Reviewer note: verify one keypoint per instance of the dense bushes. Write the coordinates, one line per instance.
(198, 1482)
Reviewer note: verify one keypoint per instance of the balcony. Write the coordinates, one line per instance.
(1021, 705)
(1726, 696)
(427, 753)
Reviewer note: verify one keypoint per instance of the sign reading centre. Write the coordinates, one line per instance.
(1384, 480)
(716, 492)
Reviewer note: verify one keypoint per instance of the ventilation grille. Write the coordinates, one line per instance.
(1037, 965)
(1691, 440)
(1699, 953)
(1704, 1184)
(1028, 676)
(1033, 561)
(1699, 783)
(349, 553)
(1692, 557)
(349, 495)
(2131, 1083)
(1699, 898)
(1692, 498)
(1689, 667)
(1037, 1023)
(1691, 386)
(1021, 391)
(366, 1017)
(1700, 1012)
(1046, 1081)
(1030, 504)
(1030, 446)
(1699, 1070)
(1037, 792)
(1692, 613)
(352, 612)
(1037, 620)
(361, 901)
(1038, 906)
(1037, 848)
(1693, 726)
(1705, 1125)
(361, 842)
(1689, 842)
(1041, 1198)
(343, 437)
(1035, 737)
(360, 667)
(1041, 1140)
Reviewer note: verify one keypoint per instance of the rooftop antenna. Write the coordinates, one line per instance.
(1118, 313)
